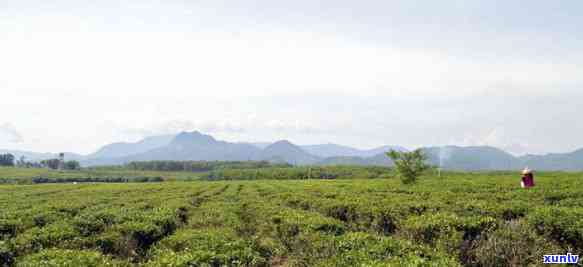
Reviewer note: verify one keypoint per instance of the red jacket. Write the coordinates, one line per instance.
(528, 180)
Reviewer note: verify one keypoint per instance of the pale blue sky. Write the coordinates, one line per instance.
(361, 73)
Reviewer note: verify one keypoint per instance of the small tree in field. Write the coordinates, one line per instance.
(72, 165)
(409, 165)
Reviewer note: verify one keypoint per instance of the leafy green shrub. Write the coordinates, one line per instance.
(114, 243)
(65, 258)
(513, 244)
(295, 229)
(6, 254)
(9, 227)
(44, 218)
(514, 210)
(297, 173)
(94, 223)
(211, 247)
(447, 231)
(139, 236)
(440, 230)
(132, 238)
(288, 219)
(565, 225)
(359, 216)
(58, 234)
(363, 249)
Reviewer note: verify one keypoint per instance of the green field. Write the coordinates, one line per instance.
(25, 175)
(10, 175)
(456, 220)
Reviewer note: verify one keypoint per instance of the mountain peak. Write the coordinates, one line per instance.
(195, 137)
(122, 149)
(285, 150)
(283, 143)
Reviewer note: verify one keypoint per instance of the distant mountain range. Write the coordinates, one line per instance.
(333, 150)
(198, 146)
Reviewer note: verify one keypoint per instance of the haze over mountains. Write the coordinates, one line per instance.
(333, 150)
(198, 146)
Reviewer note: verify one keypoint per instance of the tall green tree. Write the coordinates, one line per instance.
(21, 162)
(51, 163)
(72, 165)
(409, 165)
(7, 160)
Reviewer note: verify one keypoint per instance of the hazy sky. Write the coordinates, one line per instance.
(75, 75)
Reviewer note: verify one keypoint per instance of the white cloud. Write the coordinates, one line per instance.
(497, 137)
(224, 127)
(258, 63)
(81, 75)
(9, 134)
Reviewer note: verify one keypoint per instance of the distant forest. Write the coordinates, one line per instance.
(200, 166)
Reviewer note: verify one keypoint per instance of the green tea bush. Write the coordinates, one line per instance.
(138, 237)
(288, 220)
(43, 218)
(93, 223)
(9, 228)
(7, 257)
(439, 230)
(212, 247)
(66, 258)
(482, 219)
(563, 224)
(512, 244)
(298, 173)
(363, 249)
(53, 235)
(447, 231)
(44, 180)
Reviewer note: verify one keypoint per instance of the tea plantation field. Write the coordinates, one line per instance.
(457, 220)
(10, 175)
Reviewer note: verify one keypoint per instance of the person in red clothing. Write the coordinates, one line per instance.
(527, 178)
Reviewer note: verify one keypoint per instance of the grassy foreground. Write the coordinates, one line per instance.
(460, 219)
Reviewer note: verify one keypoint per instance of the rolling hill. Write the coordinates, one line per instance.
(123, 149)
(200, 147)
(567, 161)
(475, 158)
(288, 152)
